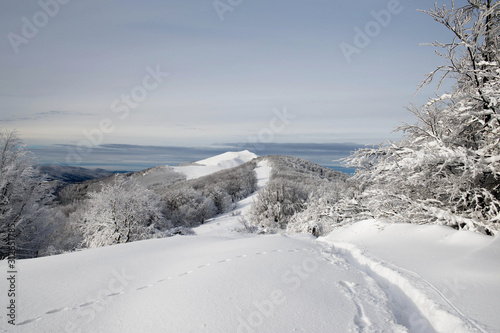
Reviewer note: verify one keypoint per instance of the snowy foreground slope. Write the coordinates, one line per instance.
(368, 277)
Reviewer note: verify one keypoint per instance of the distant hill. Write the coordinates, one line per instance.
(224, 170)
(214, 164)
(156, 178)
(71, 174)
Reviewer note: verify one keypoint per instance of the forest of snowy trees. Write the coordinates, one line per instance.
(39, 216)
(445, 170)
(292, 185)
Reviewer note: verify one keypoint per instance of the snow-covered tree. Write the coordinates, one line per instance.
(293, 186)
(24, 195)
(221, 199)
(447, 167)
(277, 203)
(187, 207)
(121, 212)
(321, 209)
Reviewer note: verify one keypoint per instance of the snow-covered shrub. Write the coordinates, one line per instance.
(276, 203)
(247, 227)
(320, 214)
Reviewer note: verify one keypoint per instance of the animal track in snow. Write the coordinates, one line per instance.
(58, 310)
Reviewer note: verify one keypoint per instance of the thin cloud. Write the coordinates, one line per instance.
(43, 115)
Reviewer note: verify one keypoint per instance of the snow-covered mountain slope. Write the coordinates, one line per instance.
(216, 163)
(367, 277)
(164, 175)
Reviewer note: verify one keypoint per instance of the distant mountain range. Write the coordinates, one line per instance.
(71, 175)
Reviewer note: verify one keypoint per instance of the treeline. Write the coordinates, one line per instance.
(292, 187)
(192, 202)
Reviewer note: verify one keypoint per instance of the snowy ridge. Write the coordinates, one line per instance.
(227, 223)
(435, 308)
(229, 159)
(216, 163)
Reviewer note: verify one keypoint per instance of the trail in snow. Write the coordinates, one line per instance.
(226, 224)
(457, 281)
(414, 303)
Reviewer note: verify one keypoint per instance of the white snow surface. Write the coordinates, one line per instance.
(371, 276)
(216, 163)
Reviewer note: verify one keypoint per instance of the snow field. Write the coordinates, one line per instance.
(370, 276)
(190, 284)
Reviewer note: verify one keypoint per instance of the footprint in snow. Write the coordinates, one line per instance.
(57, 310)
(86, 304)
(360, 319)
(116, 294)
(145, 287)
(29, 321)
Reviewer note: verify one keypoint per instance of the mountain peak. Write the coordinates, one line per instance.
(229, 159)
(216, 163)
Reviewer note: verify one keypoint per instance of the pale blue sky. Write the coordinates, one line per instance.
(225, 77)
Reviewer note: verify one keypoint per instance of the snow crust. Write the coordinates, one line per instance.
(216, 163)
(371, 276)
